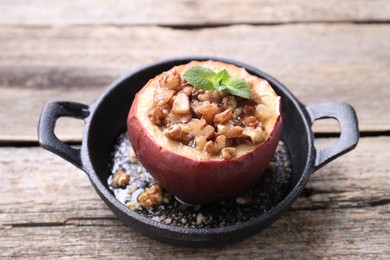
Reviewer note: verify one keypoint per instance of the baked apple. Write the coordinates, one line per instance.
(205, 130)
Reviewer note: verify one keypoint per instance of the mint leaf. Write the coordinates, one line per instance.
(206, 79)
(200, 77)
(238, 87)
(222, 77)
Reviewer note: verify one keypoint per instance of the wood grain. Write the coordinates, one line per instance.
(190, 12)
(329, 234)
(343, 212)
(72, 50)
(317, 62)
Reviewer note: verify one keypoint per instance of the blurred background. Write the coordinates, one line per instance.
(321, 50)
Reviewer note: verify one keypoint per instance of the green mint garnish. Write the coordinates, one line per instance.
(206, 79)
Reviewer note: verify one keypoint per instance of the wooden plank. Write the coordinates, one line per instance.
(333, 233)
(40, 187)
(357, 179)
(317, 62)
(29, 88)
(344, 212)
(58, 191)
(190, 12)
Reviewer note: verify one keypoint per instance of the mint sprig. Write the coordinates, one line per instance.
(206, 79)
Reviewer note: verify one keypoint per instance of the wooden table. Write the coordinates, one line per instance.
(322, 50)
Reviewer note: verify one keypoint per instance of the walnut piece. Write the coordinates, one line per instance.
(162, 96)
(171, 80)
(230, 101)
(251, 121)
(200, 142)
(132, 156)
(223, 116)
(120, 179)
(244, 200)
(256, 135)
(207, 111)
(181, 105)
(210, 96)
(215, 147)
(234, 132)
(151, 197)
(175, 132)
(228, 153)
(156, 116)
(199, 127)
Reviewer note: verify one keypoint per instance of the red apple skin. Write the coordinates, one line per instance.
(200, 181)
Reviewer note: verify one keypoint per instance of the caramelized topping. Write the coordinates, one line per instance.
(207, 111)
(209, 121)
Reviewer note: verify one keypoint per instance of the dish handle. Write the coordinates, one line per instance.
(51, 112)
(349, 130)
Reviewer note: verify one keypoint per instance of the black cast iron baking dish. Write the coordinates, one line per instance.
(105, 119)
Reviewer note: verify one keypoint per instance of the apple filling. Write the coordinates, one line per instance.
(213, 122)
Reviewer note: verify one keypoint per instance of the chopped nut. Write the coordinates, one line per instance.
(195, 104)
(175, 132)
(244, 200)
(209, 147)
(185, 128)
(215, 147)
(251, 121)
(203, 97)
(171, 80)
(198, 127)
(228, 153)
(223, 128)
(234, 132)
(176, 119)
(157, 218)
(156, 115)
(211, 96)
(199, 218)
(220, 143)
(162, 96)
(200, 141)
(196, 92)
(230, 101)
(120, 179)
(256, 135)
(187, 90)
(223, 116)
(248, 109)
(208, 132)
(152, 197)
(207, 111)
(181, 105)
(132, 157)
(238, 111)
